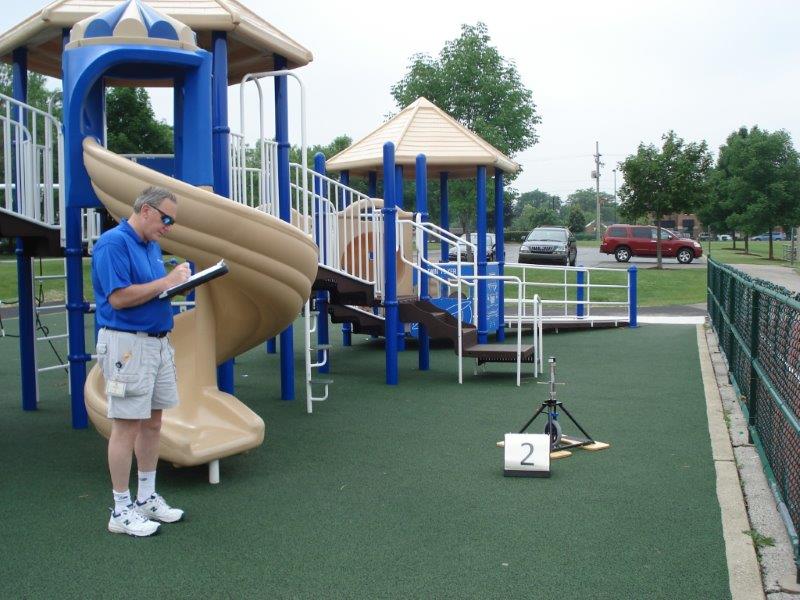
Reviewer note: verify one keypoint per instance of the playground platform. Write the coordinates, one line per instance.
(394, 491)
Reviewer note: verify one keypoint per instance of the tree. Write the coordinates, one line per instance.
(586, 200)
(132, 126)
(537, 199)
(339, 143)
(663, 181)
(576, 221)
(716, 210)
(479, 88)
(759, 181)
(39, 94)
(532, 217)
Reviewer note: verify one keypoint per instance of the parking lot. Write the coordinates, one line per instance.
(591, 257)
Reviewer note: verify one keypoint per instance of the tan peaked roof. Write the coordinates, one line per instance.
(423, 127)
(251, 40)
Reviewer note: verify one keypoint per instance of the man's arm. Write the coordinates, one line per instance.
(139, 293)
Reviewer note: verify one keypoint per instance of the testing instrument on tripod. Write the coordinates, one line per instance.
(552, 406)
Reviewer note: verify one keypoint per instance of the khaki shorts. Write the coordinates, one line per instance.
(139, 371)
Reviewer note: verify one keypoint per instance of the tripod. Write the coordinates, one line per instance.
(553, 427)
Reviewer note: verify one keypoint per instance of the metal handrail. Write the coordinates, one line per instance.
(421, 265)
(588, 286)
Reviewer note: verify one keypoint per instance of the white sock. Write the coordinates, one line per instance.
(121, 500)
(147, 485)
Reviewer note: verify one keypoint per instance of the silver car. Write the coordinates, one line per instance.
(466, 251)
(549, 245)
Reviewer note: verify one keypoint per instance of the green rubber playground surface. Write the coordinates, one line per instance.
(392, 492)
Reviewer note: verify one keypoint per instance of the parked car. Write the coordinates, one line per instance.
(724, 237)
(466, 251)
(704, 237)
(624, 241)
(778, 236)
(549, 245)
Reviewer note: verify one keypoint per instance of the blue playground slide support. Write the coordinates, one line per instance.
(347, 328)
(27, 329)
(633, 296)
(444, 218)
(500, 251)
(480, 211)
(421, 170)
(321, 297)
(284, 210)
(220, 143)
(390, 265)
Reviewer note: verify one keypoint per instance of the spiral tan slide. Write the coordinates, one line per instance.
(272, 266)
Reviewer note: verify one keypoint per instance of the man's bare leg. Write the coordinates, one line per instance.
(124, 433)
(146, 445)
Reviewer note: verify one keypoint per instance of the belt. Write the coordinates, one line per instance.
(157, 334)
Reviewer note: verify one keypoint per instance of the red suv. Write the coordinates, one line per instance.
(624, 241)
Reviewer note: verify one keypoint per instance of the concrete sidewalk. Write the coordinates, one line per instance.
(783, 276)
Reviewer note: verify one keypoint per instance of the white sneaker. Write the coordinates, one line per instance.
(130, 521)
(157, 509)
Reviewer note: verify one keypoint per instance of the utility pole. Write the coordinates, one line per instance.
(615, 194)
(596, 175)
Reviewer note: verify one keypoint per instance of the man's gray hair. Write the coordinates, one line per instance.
(153, 196)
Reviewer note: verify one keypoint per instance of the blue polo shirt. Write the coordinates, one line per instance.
(120, 259)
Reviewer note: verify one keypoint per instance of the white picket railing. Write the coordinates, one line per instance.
(33, 164)
(533, 281)
(347, 225)
(255, 186)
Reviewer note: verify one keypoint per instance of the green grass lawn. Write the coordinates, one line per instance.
(668, 286)
(53, 289)
(758, 253)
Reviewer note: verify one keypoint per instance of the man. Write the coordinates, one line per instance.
(135, 354)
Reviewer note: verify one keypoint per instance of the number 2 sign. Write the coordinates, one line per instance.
(527, 455)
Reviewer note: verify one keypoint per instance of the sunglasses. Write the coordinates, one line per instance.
(165, 218)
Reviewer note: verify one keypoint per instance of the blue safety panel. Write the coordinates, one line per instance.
(451, 304)
(162, 164)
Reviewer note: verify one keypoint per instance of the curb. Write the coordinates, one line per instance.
(743, 570)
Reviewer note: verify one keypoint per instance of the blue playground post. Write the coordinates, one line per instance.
(284, 209)
(500, 251)
(421, 171)
(480, 211)
(27, 331)
(347, 328)
(321, 303)
(390, 265)
(221, 142)
(344, 179)
(444, 218)
(398, 201)
(632, 297)
(580, 292)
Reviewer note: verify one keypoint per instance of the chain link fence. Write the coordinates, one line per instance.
(758, 326)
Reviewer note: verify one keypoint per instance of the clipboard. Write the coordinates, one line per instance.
(198, 278)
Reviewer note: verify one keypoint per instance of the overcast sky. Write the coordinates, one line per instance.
(618, 72)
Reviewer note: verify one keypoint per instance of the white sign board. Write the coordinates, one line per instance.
(527, 455)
